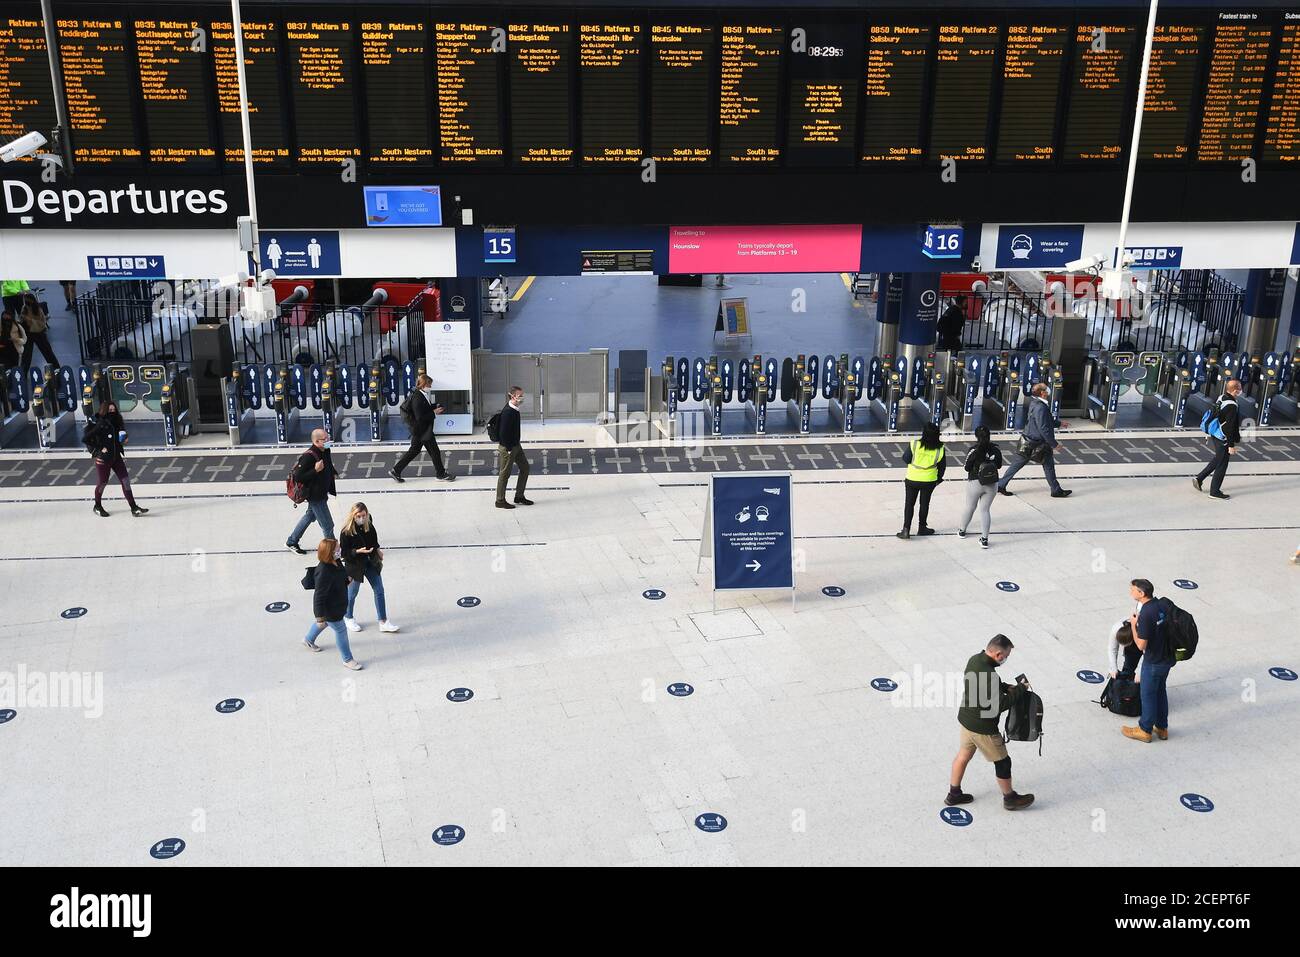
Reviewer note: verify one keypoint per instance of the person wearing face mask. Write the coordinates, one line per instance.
(315, 470)
(328, 583)
(419, 413)
(105, 439)
(1229, 419)
(509, 450)
(364, 561)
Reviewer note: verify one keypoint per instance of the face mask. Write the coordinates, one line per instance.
(338, 553)
(363, 520)
(327, 445)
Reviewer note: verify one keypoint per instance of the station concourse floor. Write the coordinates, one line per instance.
(571, 751)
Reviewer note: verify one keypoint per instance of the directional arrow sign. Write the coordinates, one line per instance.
(749, 554)
(754, 566)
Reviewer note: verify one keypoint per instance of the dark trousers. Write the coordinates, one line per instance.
(1017, 462)
(1155, 695)
(35, 339)
(430, 445)
(505, 459)
(1218, 466)
(914, 489)
(118, 468)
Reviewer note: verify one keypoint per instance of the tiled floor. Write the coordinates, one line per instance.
(572, 750)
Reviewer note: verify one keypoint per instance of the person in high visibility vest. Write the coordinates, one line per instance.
(925, 466)
(11, 291)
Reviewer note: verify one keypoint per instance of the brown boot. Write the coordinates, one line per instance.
(1136, 733)
(1162, 734)
(1017, 802)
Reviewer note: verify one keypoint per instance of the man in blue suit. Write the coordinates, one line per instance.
(1039, 429)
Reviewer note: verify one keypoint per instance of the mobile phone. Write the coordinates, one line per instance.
(1021, 679)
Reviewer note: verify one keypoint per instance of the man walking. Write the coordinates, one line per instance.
(984, 698)
(509, 451)
(315, 472)
(1229, 419)
(1039, 430)
(419, 414)
(1157, 659)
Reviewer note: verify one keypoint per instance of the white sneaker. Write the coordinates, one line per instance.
(352, 665)
(388, 626)
(352, 624)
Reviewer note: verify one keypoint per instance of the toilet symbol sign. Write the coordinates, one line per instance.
(1197, 802)
(956, 816)
(459, 694)
(448, 835)
(167, 849)
(711, 823)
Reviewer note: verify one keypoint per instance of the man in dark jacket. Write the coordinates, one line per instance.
(510, 452)
(1040, 430)
(983, 699)
(1225, 410)
(422, 414)
(315, 470)
(951, 325)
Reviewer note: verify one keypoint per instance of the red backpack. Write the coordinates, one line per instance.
(296, 490)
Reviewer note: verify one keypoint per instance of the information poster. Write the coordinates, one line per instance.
(447, 355)
(757, 249)
(748, 531)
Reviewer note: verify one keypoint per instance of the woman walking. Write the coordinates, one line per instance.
(363, 559)
(34, 318)
(329, 584)
(983, 466)
(105, 439)
(925, 467)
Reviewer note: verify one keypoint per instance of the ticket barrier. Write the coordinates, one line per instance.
(848, 388)
(799, 408)
(1205, 384)
(52, 405)
(1168, 401)
(286, 410)
(966, 392)
(762, 390)
(886, 384)
(1115, 375)
(929, 386)
(178, 405)
(1261, 386)
(1286, 400)
(14, 406)
(241, 394)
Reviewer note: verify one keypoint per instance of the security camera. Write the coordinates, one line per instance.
(25, 145)
(975, 264)
(1086, 264)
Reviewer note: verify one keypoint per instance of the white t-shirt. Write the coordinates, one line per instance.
(1115, 651)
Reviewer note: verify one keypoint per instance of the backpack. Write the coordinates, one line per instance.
(1025, 720)
(296, 490)
(1122, 695)
(406, 410)
(1180, 631)
(494, 427)
(987, 472)
(1210, 424)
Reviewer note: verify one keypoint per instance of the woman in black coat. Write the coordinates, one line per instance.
(329, 584)
(105, 440)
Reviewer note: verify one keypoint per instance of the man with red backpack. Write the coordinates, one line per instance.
(311, 483)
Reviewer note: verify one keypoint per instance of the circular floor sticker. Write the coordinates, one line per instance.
(72, 613)
(884, 684)
(1092, 677)
(459, 694)
(448, 835)
(1008, 586)
(680, 689)
(956, 816)
(7, 715)
(833, 591)
(166, 850)
(1197, 802)
(654, 594)
(1186, 583)
(276, 607)
(711, 822)
(1282, 674)
(469, 601)
(230, 705)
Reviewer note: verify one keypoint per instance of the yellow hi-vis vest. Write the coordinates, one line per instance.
(924, 466)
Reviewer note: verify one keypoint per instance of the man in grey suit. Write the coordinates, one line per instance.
(1039, 428)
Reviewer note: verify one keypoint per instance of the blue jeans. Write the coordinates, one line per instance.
(1155, 696)
(315, 512)
(340, 636)
(1018, 462)
(376, 585)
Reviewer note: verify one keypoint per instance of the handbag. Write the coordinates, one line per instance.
(309, 579)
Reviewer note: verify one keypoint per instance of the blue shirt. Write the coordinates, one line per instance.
(1150, 629)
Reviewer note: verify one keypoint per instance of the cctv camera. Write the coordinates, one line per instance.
(1085, 264)
(25, 145)
(975, 264)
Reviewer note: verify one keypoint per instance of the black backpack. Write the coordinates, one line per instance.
(406, 410)
(987, 473)
(1180, 631)
(1025, 720)
(1122, 695)
(494, 427)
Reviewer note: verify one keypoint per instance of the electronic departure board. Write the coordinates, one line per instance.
(898, 63)
(1100, 100)
(320, 68)
(395, 61)
(468, 75)
(609, 65)
(963, 86)
(262, 74)
(26, 102)
(1031, 92)
(681, 93)
(1234, 91)
(174, 87)
(1282, 131)
(750, 93)
(1175, 59)
(822, 108)
(541, 78)
(96, 83)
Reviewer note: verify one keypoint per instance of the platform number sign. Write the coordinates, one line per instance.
(943, 242)
(498, 244)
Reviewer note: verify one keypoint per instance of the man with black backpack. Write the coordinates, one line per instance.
(1223, 425)
(984, 698)
(419, 413)
(1153, 639)
(313, 479)
(503, 428)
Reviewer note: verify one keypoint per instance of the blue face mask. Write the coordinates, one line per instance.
(327, 445)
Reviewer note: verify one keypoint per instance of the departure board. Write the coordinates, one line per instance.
(681, 93)
(394, 59)
(96, 83)
(750, 93)
(963, 86)
(1031, 92)
(822, 109)
(26, 102)
(609, 70)
(174, 88)
(541, 78)
(1099, 94)
(1234, 91)
(898, 64)
(1171, 83)
(469, 93)
(1282, 132)
(262, 74)
(320, 68)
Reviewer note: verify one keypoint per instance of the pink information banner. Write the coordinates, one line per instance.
(741, 249)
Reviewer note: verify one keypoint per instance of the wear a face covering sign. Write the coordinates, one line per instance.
(748, 531)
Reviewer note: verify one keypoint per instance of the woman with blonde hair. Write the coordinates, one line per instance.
(363, 559)
(329, 585)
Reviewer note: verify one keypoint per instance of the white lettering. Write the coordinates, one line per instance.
(48, 201)
(74, 201)
(20, 198)
(9, 196)
(218, 200)
(196, 201)
(72, 910)
(98, 201)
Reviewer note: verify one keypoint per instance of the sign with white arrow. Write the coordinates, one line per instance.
(126, 266)
(748, 531)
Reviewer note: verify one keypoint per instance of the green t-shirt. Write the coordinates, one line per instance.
(984, 696)
(12, 287)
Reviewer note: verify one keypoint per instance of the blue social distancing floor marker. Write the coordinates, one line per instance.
(459, 694)
(71, 613)
(833, 591)
(448, 835)
(1196, 802)
(653, 594)
(1008, 586)
(956, 816)
(276, 607)
(884, 684)
(680, 689)
(1186, 583)
(469, 601)
(7, 715)
(165, 850)
(711, 822)
(1282, 674)
(230, 705)
(1091, 677)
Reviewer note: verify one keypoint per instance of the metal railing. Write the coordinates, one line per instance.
(138, 320)
(306, 333)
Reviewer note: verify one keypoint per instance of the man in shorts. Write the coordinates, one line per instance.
(984, 698)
